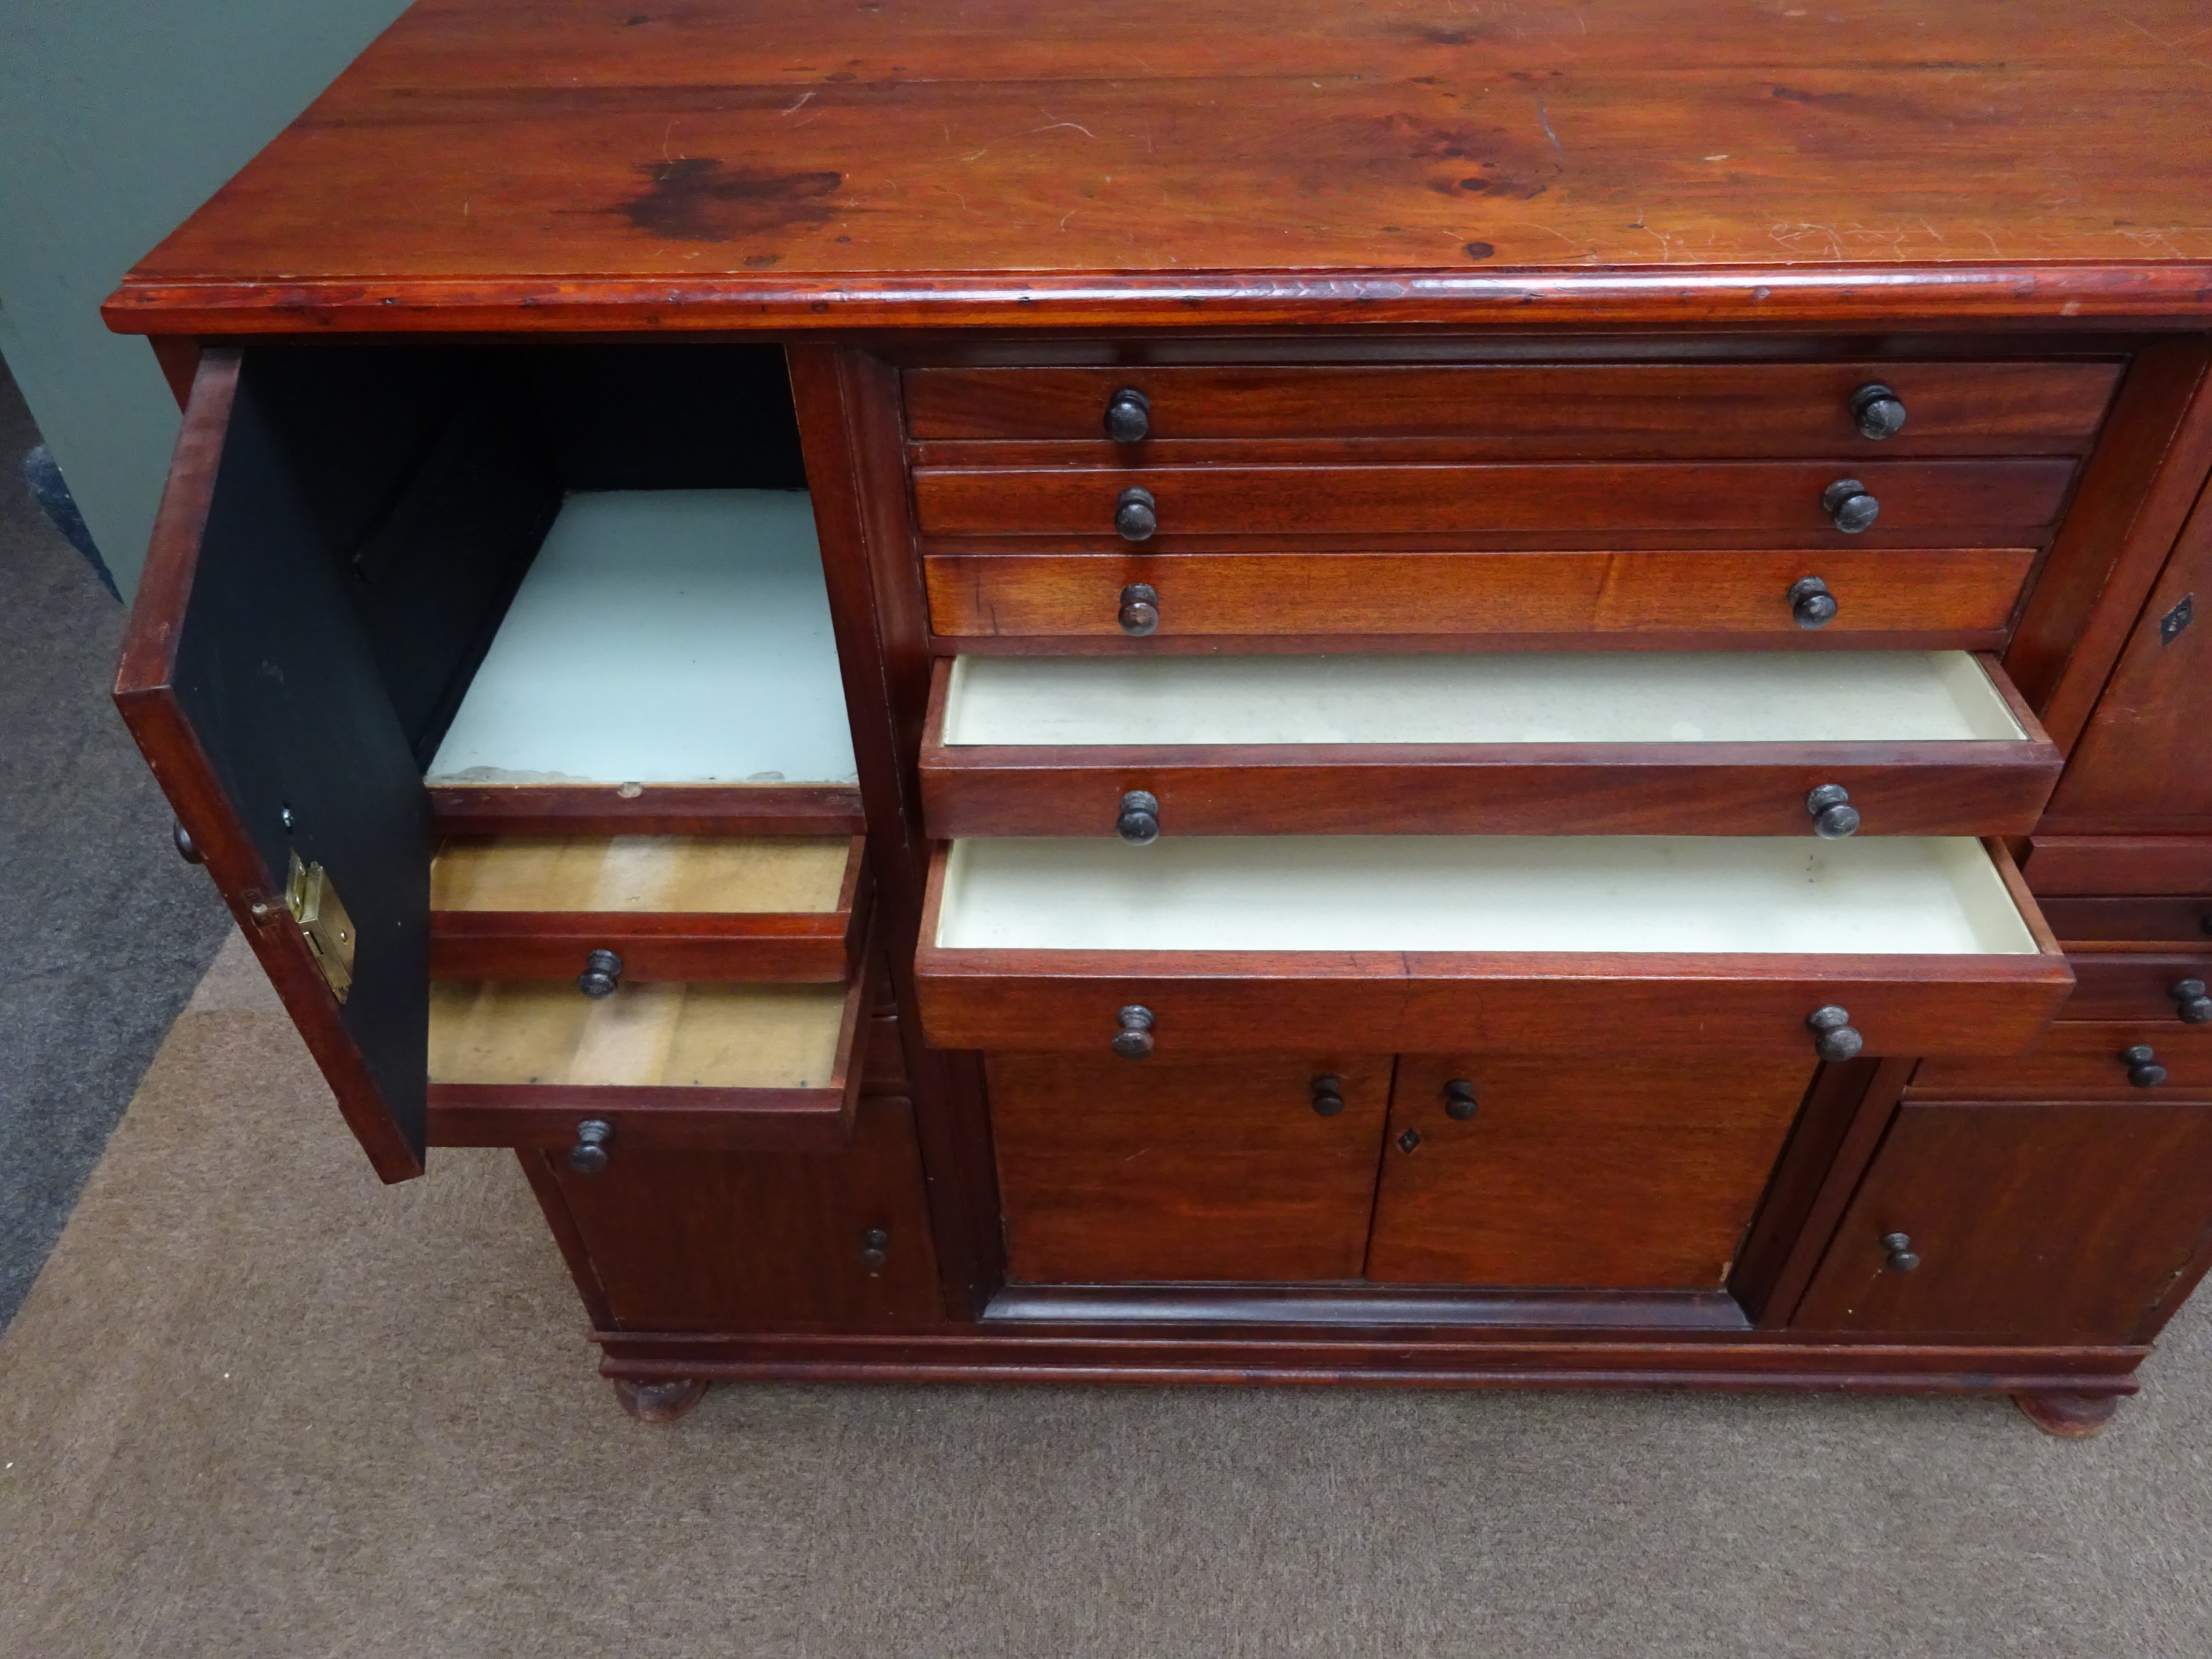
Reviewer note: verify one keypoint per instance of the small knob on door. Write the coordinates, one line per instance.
(1129, 417)
(1140, 609)
(1848, 505)
(1136, 515)
(1811, 603)
(589, 1155)
(1877, 411)
(187, 849)
(1460, 1103)
(1139, 821)
(2144, 1069)
(1833, 815)
(1135, 1039)
(602, 974)
(1832, 1036)
(1902, 1258)
(1327, 1096)
(875, 1249)
(2189, 998)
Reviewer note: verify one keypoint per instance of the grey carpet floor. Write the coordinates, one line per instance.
(103, 930)
(260, 1405)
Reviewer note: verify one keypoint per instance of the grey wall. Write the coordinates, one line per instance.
(118, 118)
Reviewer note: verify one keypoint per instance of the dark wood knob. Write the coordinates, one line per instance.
(1327, 1096)
(1136, 515)
(1902, 1259)
(2144, 1069)
(875, 1249)
(181, 838)
(1459, 1100)
(1140, 822)
(1833, 815)
(602, 974)
(589, 1155)
(2189, 997)
(1135, 1039)
(1848, 504)
(1833, 1035)
(1877, 411)
(1140, 609)
(1811, 603)
(1129, 417)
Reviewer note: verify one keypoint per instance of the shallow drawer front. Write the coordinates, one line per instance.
(2084, 1059)
(2050, 1223)
(1920, 743)
(1632, 946)
(1558, 1174)
(2094, 918)
(705, 1240)
(662, 1065)
(2140, 985)
(1660, 409)
(1931, 596)
(1247, 1169)
(782, 908)
(1784, 497)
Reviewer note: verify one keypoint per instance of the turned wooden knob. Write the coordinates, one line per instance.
(1877, 411)
(1129, 417)
(589, 1155)
(1847, 503)
(1833, 815)
(875, 1249)
(1459, 1100)
(1135, 1039)
(1833, 1035)
(1136, 515)
(181, 839)
(2144, 1069)
(1140, 609)
(2189, 997)
(602, 974)
(1139, 821)
(1327, 1096)
(1902, 1258)
(1811, 603)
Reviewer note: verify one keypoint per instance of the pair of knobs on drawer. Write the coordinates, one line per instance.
(1833, 1039)
(1847, 502)
(1137, 822)
(1811, 604)
(1877, 411)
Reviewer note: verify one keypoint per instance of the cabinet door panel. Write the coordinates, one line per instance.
(1113, 1172)
(2055, 1221)
(687, 1241)
(1638, 1176)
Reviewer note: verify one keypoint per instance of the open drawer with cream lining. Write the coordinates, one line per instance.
(1492, 944)
(1918, 742)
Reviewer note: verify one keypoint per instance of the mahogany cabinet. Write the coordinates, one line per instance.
(1042, 780)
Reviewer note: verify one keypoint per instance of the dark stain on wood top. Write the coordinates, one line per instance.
(789, 161)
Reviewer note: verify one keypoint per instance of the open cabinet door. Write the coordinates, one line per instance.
(250, 688)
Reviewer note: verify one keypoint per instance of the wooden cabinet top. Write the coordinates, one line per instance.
(792, 164)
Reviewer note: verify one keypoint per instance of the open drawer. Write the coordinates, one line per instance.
(1922, 742)
(661, 1065)
(1643, 945)
(783, 908)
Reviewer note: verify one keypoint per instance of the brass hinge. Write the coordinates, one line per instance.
(324, 923)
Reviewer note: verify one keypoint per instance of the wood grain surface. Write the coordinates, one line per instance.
(585, 164)
(1629, 1174)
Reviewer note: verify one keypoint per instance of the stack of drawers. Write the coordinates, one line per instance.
(1428, 823)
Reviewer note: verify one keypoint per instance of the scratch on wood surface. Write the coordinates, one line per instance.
(1545, 122)
(1051, 124)
(802, 99)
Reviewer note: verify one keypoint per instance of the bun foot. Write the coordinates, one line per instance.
(662, 1401)
(2068, 1416)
